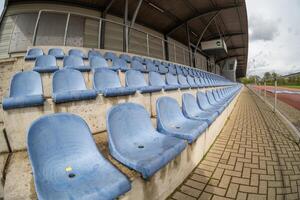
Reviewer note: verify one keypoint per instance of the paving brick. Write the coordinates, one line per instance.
(195, 184)
(205, 196)
(232, 190)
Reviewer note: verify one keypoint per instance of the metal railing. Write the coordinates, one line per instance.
(176, 48)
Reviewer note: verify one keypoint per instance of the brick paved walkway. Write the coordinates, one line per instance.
(254, 157)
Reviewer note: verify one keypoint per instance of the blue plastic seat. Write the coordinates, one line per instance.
(68, 85)
(135, 79)
(171, 121)
(45, 64)
(25, 91)
(107, 82)
(162, 69)
(67, 163)
(212, 100)
(198, 82)
(191, 110)
(58, 53)
(77, 52)
(138, 58)
(119, 64)
(75, 62)
(172, 69)
(134, 142)
(94, 53)
(126, 57)
(205, 105)
(151, 67)
(110, 56)
(172, 80)
(156, 62)
(155, 79)
(137, 65)
(33, 53)
(97, 62)
(178, 70)
(191, 82)
(185, 71)
(183, 82)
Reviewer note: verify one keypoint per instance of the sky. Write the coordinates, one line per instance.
(274, 36)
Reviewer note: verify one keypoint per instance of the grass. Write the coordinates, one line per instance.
(291, 86)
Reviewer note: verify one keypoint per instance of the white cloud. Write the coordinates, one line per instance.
(274, 36)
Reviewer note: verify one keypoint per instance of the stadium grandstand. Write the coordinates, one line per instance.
(126, 99)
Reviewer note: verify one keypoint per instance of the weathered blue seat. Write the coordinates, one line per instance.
(67, 163)
(75, 62)
(205, 105)
(58, 53)
(191, 110)
(138, 58)
(172, 80)
(212, 100)
(134, 142)
(151, 67)
(183, 84)
(126, 57)
(156, 79)
(119, 64)
(97, 62)
(45, 64)
(110, 56)
(172, 69)
(107, 82)
(185, 71)
(94, 53)
(77, 52)
(162, 69)
(198, 82)
(171, 121)
(156, 62)
(137, 65)
(191, 82)
(68, 85)
(135, 79)
(25, 91)
(178, 70)
(33, 53)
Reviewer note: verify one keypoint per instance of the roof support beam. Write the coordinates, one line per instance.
(125, 29)
(188, 41)
(208, 12)
(108, 7)
(135, 13)
(205, 28)
(233, 56)
(229, 35)
(103, 27)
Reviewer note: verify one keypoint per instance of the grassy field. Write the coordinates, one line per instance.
(292, 86)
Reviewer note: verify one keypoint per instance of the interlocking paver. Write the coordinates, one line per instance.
(254, 157)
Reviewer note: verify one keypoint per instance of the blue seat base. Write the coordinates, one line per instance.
(48, 69)
(75, 95)
(114, 92)
(22, 102)
(80, 68)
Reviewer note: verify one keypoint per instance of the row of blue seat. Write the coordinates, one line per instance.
(69, 85)
(47, 63)
(67, 164)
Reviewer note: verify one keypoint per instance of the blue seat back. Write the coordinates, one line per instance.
(151, 67)
(135, 79)
(128, 121)
(137, 65)
(171, 79)
(168, 111)
(93, 53)
(191, 81)
(138, 58)
(67, 80)
(156, 79)
(56, 52)
(126, 57)
(156, 62)
(110, 56)
(202, 100)
(97, 62)
(25, 84)
(73, 61)
(106, 78)
(76, 52)
(182, 79)
(45, 61)
(190, 105)
(120, 63)
(58, 141)
(35, 52)
(178, 70)
(162, 69)
(172, 69)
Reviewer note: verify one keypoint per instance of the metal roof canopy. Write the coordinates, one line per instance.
(171, 17)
